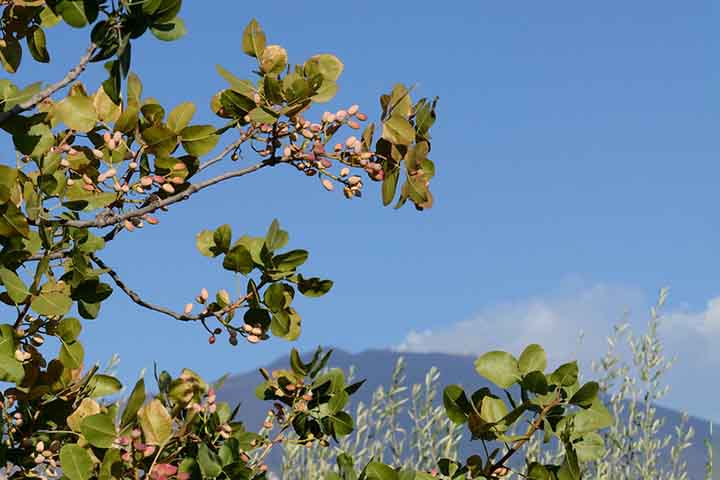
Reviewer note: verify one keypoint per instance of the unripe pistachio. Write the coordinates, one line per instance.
(117, 136)
(107, 136)
(40, 446)
(363, 162)
(338, 147)
(310, 172)
(65, 163)
(152, 220)
(357, 148)
(204, 294)
(341, 115)
(87, 179)
(348, 193)
(39, 459)
(125, 188)
(168, 188)
(325, 163)
(146, 181)
(97, 153)
(37, 340)
(353, 109)
(211, 339)
(188, 308)
(328, 117)
(307, 133)
(354, 180)
(287, 152)
(328, 184)
(353, 124)
(268, 424)
(158, 179)
(177, 180)
(111, 144)
(361, 116)
(351, 141)
(257, 331)
(247, 328)
(344, 172)
(253, 339)
(138, 189)
(116, 186)
(233, 340)
(132, 165)
(129, 226)
(149, 451)
(316, 127)
(111, 172)
(19, 355)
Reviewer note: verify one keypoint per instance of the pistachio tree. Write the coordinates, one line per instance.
(94, 164)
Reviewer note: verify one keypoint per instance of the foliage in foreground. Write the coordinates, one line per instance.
(404, 425)
(95, 165)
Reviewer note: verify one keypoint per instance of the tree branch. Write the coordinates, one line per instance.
(157, 308)
(36, 99)
(136, 298)
(106, 220)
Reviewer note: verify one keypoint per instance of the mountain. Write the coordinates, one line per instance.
(377, 365)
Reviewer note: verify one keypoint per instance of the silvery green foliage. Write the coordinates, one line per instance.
(379, 436)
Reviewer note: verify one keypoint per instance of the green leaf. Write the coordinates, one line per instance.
(72, 355)
(565, 375)
(69, 329)
(314, 287)
(180, 116)
(77, 13)
(325, 64)
(238, 259)
(77, 112)
(262, 115)
(222, 238)
(531, 359)
(199, 140)
(16, 288)
(493, 409)
(160, 140)
(104, 385)
(136, 400)
(13, 222)
(99, 430)
(586, 395)
(591, 447)
(51, 303)
(10, 54)
(343, 424)
(456, 404)
(76, 462)
(389, 185)
(278, 297)
(501, 368)
(594, 418)
(11, 370)
(273, 59)
(535, 382)
(275, 238)
(205, 243)
(286, 324)
(291, 260)
(111, 458)
(155, 422)
(169, 31)
(398, 130)
(380, 471)
(253, 39)
(37, 45)
(210, 465)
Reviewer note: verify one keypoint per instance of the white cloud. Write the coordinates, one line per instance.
(556, 321)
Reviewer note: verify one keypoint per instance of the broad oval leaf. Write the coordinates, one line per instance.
(501, 368)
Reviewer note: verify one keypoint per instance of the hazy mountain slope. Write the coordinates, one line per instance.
(376, 366)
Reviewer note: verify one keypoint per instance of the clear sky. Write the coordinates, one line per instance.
(578, 170)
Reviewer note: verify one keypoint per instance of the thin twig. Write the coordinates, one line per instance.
(106, 220)
(136, 298)
(160, 309)
(233, 146)
(36, 99)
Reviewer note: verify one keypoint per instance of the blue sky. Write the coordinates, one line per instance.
(576, 149)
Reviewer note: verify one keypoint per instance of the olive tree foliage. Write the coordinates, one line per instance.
(94, 165)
